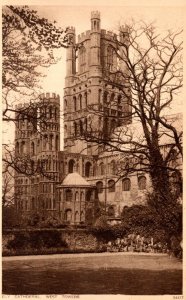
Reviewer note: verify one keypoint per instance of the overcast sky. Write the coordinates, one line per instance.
(77, 15)
(111, 16)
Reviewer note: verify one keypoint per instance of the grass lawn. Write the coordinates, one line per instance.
(105, 273)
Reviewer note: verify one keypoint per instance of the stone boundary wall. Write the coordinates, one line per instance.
(76, 240)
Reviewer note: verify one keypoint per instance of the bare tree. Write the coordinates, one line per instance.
(28, 41)
(7, 190)
(149, 76)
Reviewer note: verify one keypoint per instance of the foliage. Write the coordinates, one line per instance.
(139, 215)
(9, 217)
(37, 239)
(175, 246)
(28, 41)
(40, 30)
(7, 190)
(34, 220)
(172, 212)
(101, 229)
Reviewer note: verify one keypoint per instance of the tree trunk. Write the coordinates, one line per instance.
(160, 177)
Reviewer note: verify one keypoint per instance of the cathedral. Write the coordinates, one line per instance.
(83, 174)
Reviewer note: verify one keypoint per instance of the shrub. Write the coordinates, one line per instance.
(21, 240)
(37, 240)
(102, 230)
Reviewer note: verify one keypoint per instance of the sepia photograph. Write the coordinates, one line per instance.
(92, 148)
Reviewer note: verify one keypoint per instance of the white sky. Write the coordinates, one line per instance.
(168, 15)
(111, 16)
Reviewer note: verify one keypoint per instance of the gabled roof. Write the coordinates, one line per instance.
(74, 179)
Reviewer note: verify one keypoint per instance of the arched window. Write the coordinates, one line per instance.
(109, 61)
(57, 143)
(68, 195)
(68, 215)
(45, 140)
(88, 169)
(32, 148)
(99, 96)
(110, 211)
(82, 59)
(54, 165)
(105, 126)
(76, 196)
(23, 147)
(82, 218)
(81, 196)
(126, 184)
(75, 103)
(88, 195)
(85, 99)
(65, 104)
(142, 182)
(71, 166)
(55, 112)
(75, 129)
(80, 127)
(51, 142)
(99, 186)
(113, 167)
(50, 112)
(85, 124)
(76, 216)
(49, 165)
(112, 98)
(101, 169)
(80, 101)
(111, 185)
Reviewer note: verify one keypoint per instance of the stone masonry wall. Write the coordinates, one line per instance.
(75, 239)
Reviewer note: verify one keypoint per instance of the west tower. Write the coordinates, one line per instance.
(37, 145)
(92, 99)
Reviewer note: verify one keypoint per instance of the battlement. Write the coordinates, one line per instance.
(108, 34)
(83, 36)
(95, 14)
(22, 106)
(48, 96)
(71, 30)
(45, 96)
(123, 29)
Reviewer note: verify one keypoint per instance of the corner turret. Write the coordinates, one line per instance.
(95, 21)
(95, 36)
(70, 56)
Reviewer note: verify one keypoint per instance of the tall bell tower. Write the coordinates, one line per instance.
(92, 100)
(95, 39)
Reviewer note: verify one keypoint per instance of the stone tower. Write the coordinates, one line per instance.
(37, 142)
(23, 131)
(48, 154)
(89, 89)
